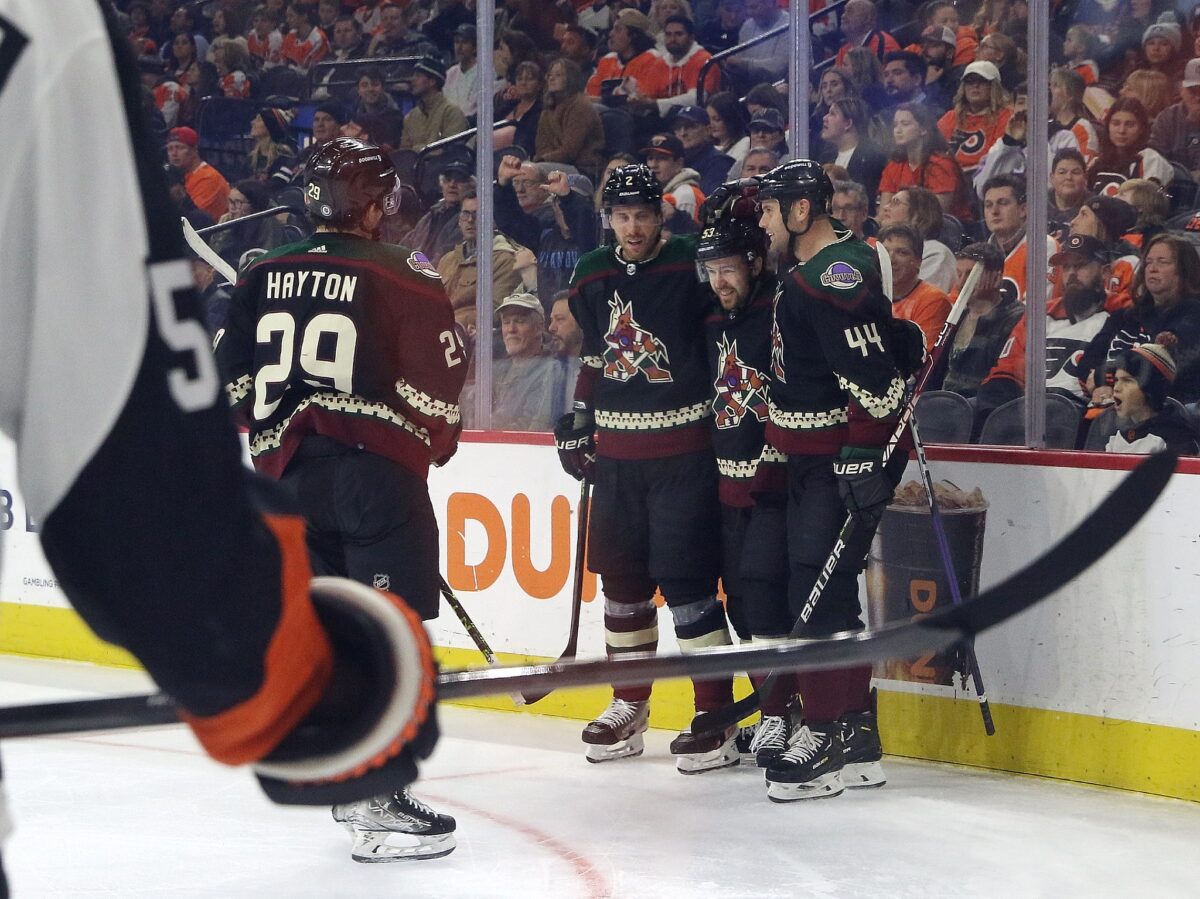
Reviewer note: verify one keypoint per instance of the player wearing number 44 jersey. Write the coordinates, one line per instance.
(343, 355)
(836, 394)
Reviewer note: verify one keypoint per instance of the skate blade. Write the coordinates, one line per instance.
(863, 775)
(373, 848)
(608, 752)
(700, 762)
(824, 787)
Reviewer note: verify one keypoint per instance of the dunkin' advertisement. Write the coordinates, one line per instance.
(907, 576)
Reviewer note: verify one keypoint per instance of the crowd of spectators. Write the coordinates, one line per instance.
(919, 113)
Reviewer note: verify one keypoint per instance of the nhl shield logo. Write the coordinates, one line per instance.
(381, 582)
(630, 348)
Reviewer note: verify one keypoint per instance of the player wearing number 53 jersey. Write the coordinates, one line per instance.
(343, 356)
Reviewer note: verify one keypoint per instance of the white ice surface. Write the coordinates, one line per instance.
(144, 814)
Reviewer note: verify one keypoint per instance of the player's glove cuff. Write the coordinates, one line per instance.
(863, 485)
(575, 439)
(377, 717)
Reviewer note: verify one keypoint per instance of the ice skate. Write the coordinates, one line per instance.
(810, 767)
(745, 740)
(395, 827)
(861, 751)
(617, 732)
(697, 754)
(771, 739)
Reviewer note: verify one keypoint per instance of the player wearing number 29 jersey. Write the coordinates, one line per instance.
(346, 337)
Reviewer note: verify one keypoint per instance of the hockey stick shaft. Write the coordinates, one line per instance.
(1091, 539)
(581, 533)
(724, 718)
(201, 248)
(939, 532)
(465, 620)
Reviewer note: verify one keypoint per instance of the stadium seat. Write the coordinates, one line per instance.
(944, 416)
(1006, 425)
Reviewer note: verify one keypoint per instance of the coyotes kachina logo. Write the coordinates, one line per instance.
(630, 348)
(740, 388)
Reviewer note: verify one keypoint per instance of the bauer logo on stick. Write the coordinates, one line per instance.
(841, 275)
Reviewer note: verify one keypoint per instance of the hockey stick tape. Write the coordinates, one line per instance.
(201, 248)
(411, 695)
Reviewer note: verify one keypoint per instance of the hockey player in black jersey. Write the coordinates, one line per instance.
(836, 394)
(641, 429)
(161, 540)
(732, 260)
(343, 354)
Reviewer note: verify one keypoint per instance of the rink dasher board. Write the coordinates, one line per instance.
(1118, 645)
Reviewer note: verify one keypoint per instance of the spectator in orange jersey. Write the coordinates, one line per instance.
(1004, 214)
(982, 108)
(944, 14)
(919, 208)
(206, 187)
(231, 59)
(920, 159)
(643, 74)
(685, 58)
(913, 299)
(858, 27)
(265, 40)
(305, 44)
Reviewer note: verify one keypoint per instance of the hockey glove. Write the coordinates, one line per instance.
(908, 347)
(378, 715)
(575, 437)
(863, 484)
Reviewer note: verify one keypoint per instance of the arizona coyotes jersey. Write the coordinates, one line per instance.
(739, 353)
(349, 338)
(834, 381)
(108, 387)
(645, 370)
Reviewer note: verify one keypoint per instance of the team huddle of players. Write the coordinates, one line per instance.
(730, 423)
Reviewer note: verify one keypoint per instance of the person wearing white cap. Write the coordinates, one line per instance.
(1175, 133)
(982, 108)
(527, 385)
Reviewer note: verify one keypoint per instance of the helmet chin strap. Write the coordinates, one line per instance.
(812, 219)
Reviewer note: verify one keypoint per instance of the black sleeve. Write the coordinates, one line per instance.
(513, 221)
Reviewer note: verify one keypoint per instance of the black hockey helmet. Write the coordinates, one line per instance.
(731, 237)
(344, 177)
(797, 179)
(631, 185)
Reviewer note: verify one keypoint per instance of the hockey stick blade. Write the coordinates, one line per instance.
(940, 630)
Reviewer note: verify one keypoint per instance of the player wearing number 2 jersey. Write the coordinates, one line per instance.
(342, 354)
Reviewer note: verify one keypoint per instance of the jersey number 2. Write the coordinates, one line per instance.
(333, 368)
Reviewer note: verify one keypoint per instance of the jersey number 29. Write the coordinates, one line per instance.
(326, 358)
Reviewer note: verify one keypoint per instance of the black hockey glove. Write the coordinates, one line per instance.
(863, 484)
(378, 715)
(908, 347)
(575, 437)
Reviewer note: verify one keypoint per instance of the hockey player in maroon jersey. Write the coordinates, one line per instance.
(157, 534)
(836, 394)
(732, 255)
(641, 429)
(343, 354)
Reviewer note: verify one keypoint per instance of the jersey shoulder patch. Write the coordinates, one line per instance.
(841, 276)
(420, 264)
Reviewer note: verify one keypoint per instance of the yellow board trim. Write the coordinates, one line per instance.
(1128, 755)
